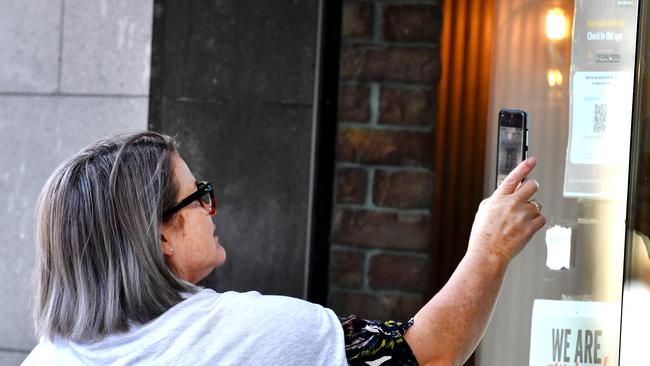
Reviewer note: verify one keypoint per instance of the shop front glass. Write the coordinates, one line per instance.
(577, 68)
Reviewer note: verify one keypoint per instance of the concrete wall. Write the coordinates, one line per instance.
(71, 71)
(234, 81)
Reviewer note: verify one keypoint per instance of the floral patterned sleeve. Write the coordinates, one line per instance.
(373, 342)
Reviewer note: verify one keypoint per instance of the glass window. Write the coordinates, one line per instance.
(571, 66)
(636, 290)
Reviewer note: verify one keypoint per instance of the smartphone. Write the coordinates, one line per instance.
(512, 141)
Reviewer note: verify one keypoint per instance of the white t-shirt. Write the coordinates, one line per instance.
(210, 328)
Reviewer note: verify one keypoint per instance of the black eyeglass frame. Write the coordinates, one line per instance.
(202, 188)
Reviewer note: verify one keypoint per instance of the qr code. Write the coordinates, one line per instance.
(600, 118)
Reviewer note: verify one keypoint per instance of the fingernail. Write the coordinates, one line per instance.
(536, 183)
(531, 160)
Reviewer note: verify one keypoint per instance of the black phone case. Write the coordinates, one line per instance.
(503, 114)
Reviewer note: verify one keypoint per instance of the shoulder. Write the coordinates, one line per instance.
(279, 315)
(46, 353)
(39, 354)
(297, 329)
(274, 306)
(253, 306)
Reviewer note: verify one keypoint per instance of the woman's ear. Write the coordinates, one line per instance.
(165, 243)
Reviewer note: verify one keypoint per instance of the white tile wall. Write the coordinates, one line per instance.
(107, 46)
(29, 45)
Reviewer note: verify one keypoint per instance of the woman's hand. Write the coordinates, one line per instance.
(507, 220)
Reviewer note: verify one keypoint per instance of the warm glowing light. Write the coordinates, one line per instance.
(554, 77)
(556, 24)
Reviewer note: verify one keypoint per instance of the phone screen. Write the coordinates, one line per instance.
(511, 142)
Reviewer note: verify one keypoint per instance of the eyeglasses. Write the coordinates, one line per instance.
(204, 194)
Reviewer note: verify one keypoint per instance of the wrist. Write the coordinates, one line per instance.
(488, 256)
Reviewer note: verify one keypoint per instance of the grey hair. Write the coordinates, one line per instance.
(100, 265)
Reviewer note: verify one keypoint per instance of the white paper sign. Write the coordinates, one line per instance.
(558, 247)
(603, 54)
(601, 114)
(574, 333)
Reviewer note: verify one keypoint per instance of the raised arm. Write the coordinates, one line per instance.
(449, 327)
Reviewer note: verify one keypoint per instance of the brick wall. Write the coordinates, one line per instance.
(380, 258)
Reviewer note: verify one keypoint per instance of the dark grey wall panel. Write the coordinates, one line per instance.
(235, 81)
(257, 156)
(259, 50)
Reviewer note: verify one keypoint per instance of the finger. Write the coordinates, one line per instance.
(533, 209)
(526, 190)
(533, 227)
(483, 202)
(537, 223)
(515, 177)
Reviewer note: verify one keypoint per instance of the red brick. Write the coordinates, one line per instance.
(357, 20)
(403, 189)
(382, 63)
(399, 272)
(406, 107)
(354, 103)
(411, 23)
(346, 268)
(376, 306)
(385, 147)
(351, 184)
(373, 229)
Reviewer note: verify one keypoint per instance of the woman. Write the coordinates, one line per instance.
(125, 231)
